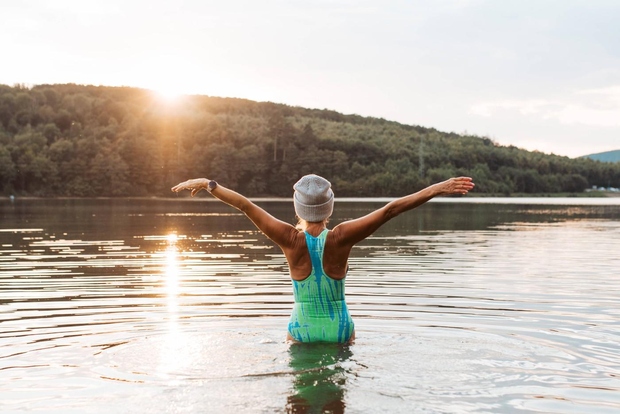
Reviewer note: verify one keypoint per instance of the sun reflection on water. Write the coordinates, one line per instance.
(170, 358)
(171, 275)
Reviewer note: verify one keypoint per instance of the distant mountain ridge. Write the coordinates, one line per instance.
(608, 156)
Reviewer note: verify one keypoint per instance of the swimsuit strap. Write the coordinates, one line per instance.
(316, 249)
(318, 285)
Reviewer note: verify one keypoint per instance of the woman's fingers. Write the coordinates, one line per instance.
(194, 185)
(461, 185)
(466, 184)
(185, 185)
(179, 187)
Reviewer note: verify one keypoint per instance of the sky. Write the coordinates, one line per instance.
(543, 75)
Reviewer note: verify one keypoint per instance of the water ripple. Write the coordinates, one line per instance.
(514, 313)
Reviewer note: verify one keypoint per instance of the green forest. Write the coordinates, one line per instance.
(89, 141)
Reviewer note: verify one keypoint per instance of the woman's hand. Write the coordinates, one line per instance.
(457, 185)
(194, 185)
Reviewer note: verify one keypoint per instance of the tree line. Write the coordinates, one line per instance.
(85, 141)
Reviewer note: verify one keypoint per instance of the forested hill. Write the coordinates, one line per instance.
(72, 140)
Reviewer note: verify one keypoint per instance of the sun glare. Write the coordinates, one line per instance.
(168, 90)
(169, 94)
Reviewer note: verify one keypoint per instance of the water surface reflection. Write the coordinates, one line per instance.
(181, 305)
(320, 380)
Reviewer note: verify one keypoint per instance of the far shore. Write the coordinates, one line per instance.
(205, 197)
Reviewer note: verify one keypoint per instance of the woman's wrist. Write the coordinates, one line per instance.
(436, 190)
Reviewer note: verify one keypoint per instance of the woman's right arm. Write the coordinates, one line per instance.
(282, 233)
(352, 232)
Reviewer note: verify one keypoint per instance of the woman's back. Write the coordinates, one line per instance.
(335, 256)
(320, 312)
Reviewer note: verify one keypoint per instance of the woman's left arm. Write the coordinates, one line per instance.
(280, 232)
(352, 232)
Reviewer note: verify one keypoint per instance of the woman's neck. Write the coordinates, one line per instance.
(315, 228)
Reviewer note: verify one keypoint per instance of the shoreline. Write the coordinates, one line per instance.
(515, 196)
(203, 197)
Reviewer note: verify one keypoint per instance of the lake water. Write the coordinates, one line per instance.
(181, 306)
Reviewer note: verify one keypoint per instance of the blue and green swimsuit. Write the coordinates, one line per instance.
(320, 313)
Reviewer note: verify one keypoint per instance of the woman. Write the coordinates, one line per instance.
(318, 257)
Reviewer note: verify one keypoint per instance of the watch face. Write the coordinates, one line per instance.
(212, 185)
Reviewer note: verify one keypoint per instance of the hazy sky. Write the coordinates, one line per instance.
(538, 74)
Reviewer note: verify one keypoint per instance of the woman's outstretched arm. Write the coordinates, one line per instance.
(277, 230)
(352, 232)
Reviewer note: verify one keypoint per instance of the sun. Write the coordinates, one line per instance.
(168, 89)
(169, 93)
(170, 77)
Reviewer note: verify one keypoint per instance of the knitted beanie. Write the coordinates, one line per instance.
(313, 198)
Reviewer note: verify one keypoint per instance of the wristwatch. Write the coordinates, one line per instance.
(212, 185)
